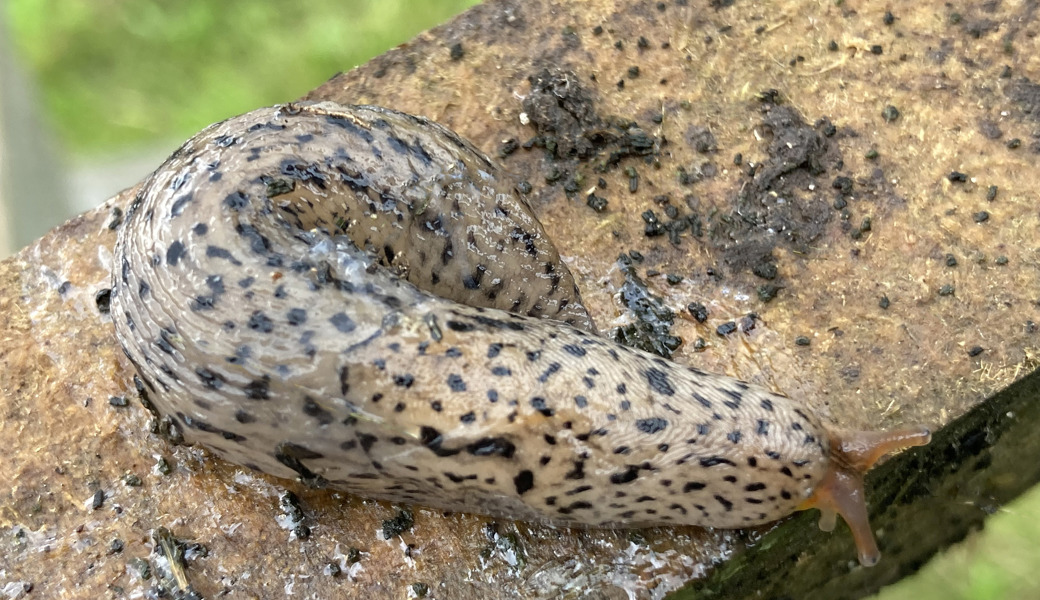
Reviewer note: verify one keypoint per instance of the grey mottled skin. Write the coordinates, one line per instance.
(320, 291)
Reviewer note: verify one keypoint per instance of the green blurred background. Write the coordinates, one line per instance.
(119, 73)
(95, 93)
(125, 80)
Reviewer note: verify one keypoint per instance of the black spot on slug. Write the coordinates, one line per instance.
(553, 368)
(222, 253)
(236, 201)
(177, 208)
(291, 455)
(492, 446)
(209, 378)
(296, 316)
(431, 438)
(715, 461)
(174, 253)
(659, 382)
(367, 440)
(258, 321)
(538, 403)
(342, 322)
(456, 383)
(243, 417)
(524, 481)
(312, 409)
(258, 389)
(460, 326)
(652, 425)
(344, 380)
(574, 350)
(625, 476)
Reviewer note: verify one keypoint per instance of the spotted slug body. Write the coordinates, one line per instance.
(359, 298)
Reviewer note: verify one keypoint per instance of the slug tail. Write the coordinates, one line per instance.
(840, 492)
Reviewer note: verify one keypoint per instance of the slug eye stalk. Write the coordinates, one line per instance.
(840, 492)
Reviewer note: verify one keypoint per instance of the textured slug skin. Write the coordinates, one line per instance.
(321, 291)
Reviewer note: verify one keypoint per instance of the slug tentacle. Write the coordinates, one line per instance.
(359, 298)
(840, 492)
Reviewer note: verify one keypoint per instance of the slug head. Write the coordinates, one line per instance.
(840, 492)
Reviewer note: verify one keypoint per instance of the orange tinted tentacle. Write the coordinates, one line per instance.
(864, 448)
(841, 489)
(841, 492)
(828, 519)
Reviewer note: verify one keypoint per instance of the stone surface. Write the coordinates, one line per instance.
(821, 152)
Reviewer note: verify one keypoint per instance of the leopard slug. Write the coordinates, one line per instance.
(359, 298)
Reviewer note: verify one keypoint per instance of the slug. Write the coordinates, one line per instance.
(359, 298)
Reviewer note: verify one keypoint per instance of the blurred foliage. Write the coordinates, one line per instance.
(116, 73)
